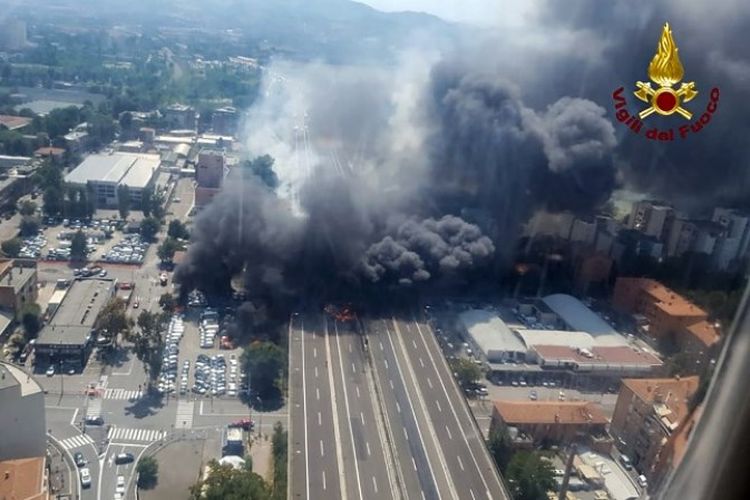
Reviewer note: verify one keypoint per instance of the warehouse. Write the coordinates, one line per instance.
(105, 173)
(492, 337)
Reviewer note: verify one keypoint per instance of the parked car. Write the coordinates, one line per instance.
(50, 371)
(79, 460)
(124, 458)
(85, 477)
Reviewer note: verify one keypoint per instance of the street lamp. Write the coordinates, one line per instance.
(260, 416)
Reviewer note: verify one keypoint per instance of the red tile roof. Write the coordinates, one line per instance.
(23, 479)
(550, 412)
(14, 122)
(674, 393)
(705, 332)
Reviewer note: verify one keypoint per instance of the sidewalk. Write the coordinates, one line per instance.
(61, 476)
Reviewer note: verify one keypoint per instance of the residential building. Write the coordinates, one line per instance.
(12, 34)
(8, 161)
(583, 231)
(18, 280)
(651, 218)
(647, 413)
(224, 121)
(532, 423)
(12, 122)
(67, 337)
(24, 432)
(674, 450)
(55, 155)
(682, 236)
(77, 141)
(105, 173)
(181, 116)
(209, 175)
(24, 478)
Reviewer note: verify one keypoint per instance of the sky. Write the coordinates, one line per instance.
(479, 12)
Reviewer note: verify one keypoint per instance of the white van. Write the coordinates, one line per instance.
(642, 482)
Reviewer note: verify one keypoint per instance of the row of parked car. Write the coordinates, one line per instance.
(131, 250)
(208, 328)
(32, 247)
(168, 377)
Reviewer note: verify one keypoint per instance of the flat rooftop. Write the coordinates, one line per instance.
(17, 277)
(74, 319)
(11, 375)
(578, 316)
(23, 479)
(134, 170)
(490, 332)
(550, 412)
(614, 357)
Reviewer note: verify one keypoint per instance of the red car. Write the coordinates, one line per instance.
(244, 424)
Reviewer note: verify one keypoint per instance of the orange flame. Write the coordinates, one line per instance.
(666, 68)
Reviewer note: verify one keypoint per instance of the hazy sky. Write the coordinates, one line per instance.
(482, 12)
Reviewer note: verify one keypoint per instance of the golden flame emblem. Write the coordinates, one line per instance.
(666, 70)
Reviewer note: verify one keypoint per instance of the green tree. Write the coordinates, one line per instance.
(123, 201)
(78, 246)
(500, 447)
(31, 319)
(28, 208)
(177, 230)
(11, 247)
(148, 342)
(224, 482)
(148, 472)
(29, 226)
(167, 302)
(149, 228)
(279, 451)
(113, 320)
(166, 250)
(466, 371)
(157, 205)
(126, 121)
(53, 200)
(530, 477)
(264, 364)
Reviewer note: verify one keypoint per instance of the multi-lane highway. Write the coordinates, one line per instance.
(375, 413)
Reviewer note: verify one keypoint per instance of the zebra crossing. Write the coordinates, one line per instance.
(126, 434)
(184, 418)
(122, 394)
(76, 441)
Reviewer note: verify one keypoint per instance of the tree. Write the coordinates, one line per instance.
(113, 320)
(157, 205)
(224, 482)
(177, 230)
(530, 477)
(28, 208)
(466, 371)
(167, 302)
(31, 319)
(148, 343)
(123, 201)
(149, 228)
(11, 247)
(279, 451)
(147, 201)
(262, 168)
(53, 200)
(264, 364)
(126, 121)
(148, 472)
(29, 226)
(500, 447)
(78, 246)
(167, 249)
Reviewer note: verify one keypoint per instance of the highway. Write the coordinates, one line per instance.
(375, 413)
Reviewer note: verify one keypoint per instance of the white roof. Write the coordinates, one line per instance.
(579, 317)
(490, 332)
(565, 338)
(132, 169)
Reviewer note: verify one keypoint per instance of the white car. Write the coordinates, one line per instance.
(85, 477)
(50, 371)
(120, 488)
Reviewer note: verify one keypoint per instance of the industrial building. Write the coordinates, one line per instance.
(68, 337)
(105, 173)
(492, 336)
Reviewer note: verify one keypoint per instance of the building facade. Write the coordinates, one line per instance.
(18, 284)
(22, 420)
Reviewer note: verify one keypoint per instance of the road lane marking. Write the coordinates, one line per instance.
(335, 411)
(322, 451)
(385, 362)
(429, 382)
(472, 494)
(354, 369)
(316, 372)
(437, 403)
(350, 348)
(304, 403)
(398, 407)
(317, 393)
(391, 382)
(421, 363)
(381, 345)
(357, 387)
(374, 484)
(460, 463)
(324, 480)
(72, 420)
(362, 418)
(414, 343)
(367, 445)
(414, 463)
(320, 420)
(315, 352)
(449, 432)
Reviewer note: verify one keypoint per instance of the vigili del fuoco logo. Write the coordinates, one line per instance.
(665, 71)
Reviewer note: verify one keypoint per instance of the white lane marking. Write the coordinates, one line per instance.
(374, 484)
(460, 463)
(414, 343)
(354, 369)
(316, 372)
(381, 345)
(437, 403)
(362, 418)
(73, 420)
(391, 382)
(423, 497)
(322, 451)
(324, 479)
(367, 445)
(315, 352)
(317, 393)
(398, 407)
(414, 463)
(421, 363)
(449, 432)
(357, 387)
(429, 382)
(385, 362)
(348, 415)
(320, 419)
(350, 348)
(472, 494)
(304, 403)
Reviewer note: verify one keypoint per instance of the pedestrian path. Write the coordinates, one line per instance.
(129, 394)
(184, 419)
(76, 441)
(94, 408)
(126, 434)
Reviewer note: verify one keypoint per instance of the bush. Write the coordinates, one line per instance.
(148, 472)
(12, 247)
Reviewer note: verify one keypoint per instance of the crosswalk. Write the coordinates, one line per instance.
(184, 418)
(125, 434)
(76, 441)
(122, 394)
(94, 407)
